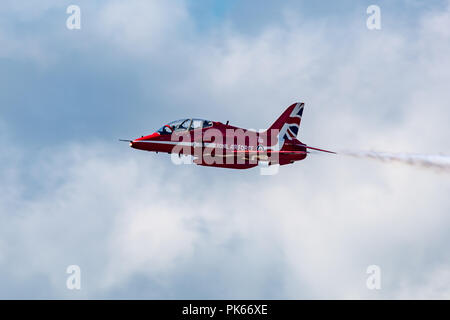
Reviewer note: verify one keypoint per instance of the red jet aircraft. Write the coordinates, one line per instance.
(216, 144)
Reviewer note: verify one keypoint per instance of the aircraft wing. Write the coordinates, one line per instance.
(265, 154)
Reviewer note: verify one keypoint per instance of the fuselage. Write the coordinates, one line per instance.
(221, 145)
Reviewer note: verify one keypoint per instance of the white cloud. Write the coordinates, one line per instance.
(142, 27)
(310, 231)
(119, 215)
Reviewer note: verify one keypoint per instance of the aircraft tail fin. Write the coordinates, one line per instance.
(288, 123)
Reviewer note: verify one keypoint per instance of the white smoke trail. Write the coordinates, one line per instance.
(433, 161)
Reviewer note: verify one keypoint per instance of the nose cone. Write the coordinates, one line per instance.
(146, 138)
(139, 143)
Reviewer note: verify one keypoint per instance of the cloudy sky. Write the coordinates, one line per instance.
(141, 227)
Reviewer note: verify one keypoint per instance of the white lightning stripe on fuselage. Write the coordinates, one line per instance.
(198, 144)
(168, 142)
(191, 144)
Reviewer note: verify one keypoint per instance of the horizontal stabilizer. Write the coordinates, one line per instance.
(317, 149)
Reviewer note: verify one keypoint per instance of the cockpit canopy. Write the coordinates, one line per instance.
(184, 124)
